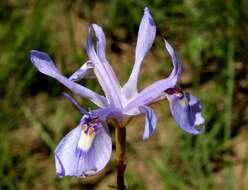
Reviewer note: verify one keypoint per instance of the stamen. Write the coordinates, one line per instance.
(179, 94)
(175, 90)
(84, 127)
(89, 129)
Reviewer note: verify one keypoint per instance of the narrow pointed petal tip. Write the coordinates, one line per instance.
(169, 47)
(146, 37)
(186, 110)
(147, 12)
(177, 66)
(150, 122)
(43, 63)
(101, 42)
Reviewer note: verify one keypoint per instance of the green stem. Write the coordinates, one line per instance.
(230, 88)
(120, 135)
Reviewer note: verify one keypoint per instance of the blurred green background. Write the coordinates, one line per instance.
(212, 42)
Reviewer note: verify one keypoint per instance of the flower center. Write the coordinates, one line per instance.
(179, 94)
(88, 133)
(177, 91)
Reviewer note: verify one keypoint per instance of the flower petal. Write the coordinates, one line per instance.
(100, 47)
(101, 149)
(106, 113)
(86, 71)
(151, 121)
(76, 104)
(177, 66)
(146, 36)
(103, 70)
(71, 161)
(155, 92)
(148, 95)
(103, 113)
(65, 153)
(186, 110)
(45, 65)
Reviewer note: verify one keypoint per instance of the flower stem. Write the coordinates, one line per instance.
(120, 135)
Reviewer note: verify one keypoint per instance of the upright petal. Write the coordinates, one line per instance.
(186, 110)
(102, 70)
(85, 71)
(146, 36)
(70, 160)
(45, 65)
(151, 121)
(100, 47)
(177, 66)
(155, 92)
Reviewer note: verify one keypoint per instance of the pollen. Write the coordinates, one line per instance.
(84, 127)
(178, 94)
(87, 137)
(91, 130)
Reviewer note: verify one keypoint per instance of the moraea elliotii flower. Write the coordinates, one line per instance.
(87, 148)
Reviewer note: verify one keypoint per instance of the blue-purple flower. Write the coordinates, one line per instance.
(86, 149)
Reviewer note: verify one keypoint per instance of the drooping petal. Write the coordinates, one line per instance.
(85, 71)
(70, 160)
(65, 154)
(146, 36)
(151, 121)
(186, 110)
(45, 65)
(101, 149)
(103, 70)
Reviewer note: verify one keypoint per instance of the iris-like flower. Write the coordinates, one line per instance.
(87, 148)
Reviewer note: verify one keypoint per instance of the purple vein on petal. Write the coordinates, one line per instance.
(81, 154)
(150, 122)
